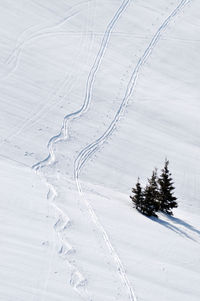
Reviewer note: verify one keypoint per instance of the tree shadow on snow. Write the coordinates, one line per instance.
(179, 221)
(174, 225)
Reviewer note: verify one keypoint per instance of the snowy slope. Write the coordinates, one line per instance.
(94, 94)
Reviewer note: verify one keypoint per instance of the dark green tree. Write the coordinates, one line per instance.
(137, 197)
(150, 204)
(166, 199)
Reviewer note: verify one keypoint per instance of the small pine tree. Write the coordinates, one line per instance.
(166, 199)
(150, 203)
(153, 182)
(137, 197)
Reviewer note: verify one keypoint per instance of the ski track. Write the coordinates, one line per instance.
(14, 57)
(21, 41)
(89, 150)
(77, 281)
(89, 85)
(66, 84)
(63, 85)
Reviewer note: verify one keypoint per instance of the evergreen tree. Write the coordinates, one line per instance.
(137, 197)
(150, 203)
(166, 199)
(153, 182)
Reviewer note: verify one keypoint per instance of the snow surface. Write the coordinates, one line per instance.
(94, 94)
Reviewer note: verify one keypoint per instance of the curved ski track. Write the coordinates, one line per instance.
(88, 93)
(89, 150)
(62, 85)
(78, 282)
(41, 32)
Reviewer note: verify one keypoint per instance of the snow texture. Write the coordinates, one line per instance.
(94, 94)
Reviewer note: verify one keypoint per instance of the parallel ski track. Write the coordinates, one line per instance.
(89, 150)
(16, 53)
(41, 33)
(80, 283)
(77, 279)
(88, 93)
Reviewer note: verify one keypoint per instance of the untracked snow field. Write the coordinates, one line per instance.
(93, 94)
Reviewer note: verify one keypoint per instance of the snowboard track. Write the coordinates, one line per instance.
(78, 281)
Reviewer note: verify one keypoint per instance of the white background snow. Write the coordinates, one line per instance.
(94, 94)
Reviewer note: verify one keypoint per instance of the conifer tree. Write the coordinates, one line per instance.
(153, 182)
(150, 203)
(137, 197)
(166, 199)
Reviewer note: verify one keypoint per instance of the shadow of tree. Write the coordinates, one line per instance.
(173, 224)
(181, 222)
